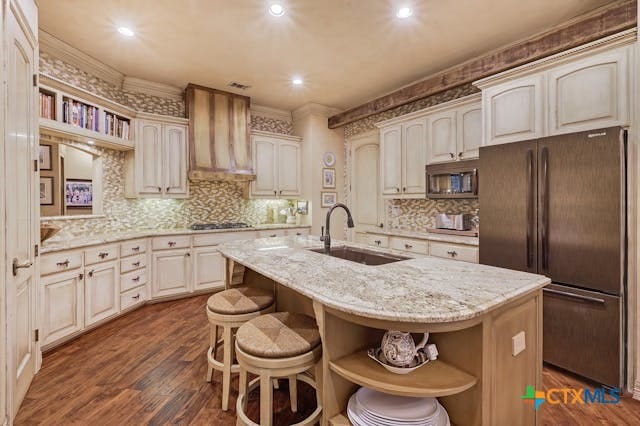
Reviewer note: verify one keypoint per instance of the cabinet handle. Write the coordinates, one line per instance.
(159, 189)
(136, 279)
(298, 233)
(135, 264)
(90, 274)
(381, 225)
(81, 276)
(187, 254)
(404, 189)
(452, 155)
(275, 192)
(103, 254)
(280, 192)
(171, 243)
(460, 154)
(378, 242)
(452, 253)
(137, 296)
(136, 249)
(17, 266)
(273, 235)
(397, 189)
(64, 264)
(408, 246)
(168, 189)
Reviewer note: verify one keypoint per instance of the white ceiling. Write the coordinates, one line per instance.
(347, 51)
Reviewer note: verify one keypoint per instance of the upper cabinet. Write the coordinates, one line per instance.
(570, 92)
(158, 167)
(442, 137)
(391, 160)
(469, 131)
(219, 138)
(277, 166)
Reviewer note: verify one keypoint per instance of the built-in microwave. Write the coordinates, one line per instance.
(453, 180)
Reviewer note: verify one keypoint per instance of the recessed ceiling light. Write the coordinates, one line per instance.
(127, 32)
(297, 81)
(276, 9)
(404, 12)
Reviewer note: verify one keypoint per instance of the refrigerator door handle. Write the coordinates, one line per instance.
(574, 296)
(544, 229)
(530, 200)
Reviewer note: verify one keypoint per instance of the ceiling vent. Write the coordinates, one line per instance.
(240, 86)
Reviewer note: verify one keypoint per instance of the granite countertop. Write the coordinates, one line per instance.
(58, 244)
(421, 289)
(445, 238)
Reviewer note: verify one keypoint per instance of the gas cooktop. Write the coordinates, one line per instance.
(222, 225)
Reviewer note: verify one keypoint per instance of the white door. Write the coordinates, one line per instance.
(62, 305)
(209, 269)
(264, 161)
(414, 157)
(102, 292)
(22, 208)
(442, 137)
(365, 180)
(175, 160)
(171, 272)
(469, 131)
(391, 160)
(288, 166)
(149, 158)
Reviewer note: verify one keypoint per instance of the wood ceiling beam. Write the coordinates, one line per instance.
(608, 20)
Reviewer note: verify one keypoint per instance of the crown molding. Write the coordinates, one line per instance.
(71, 55)
(314, 109)
(454, 103)
(139, 85)
(276, 135)
(273, 113)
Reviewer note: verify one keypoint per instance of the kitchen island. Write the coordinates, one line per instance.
(486, 322)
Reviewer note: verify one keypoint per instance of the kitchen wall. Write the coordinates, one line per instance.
(416, 215)
(208, 201)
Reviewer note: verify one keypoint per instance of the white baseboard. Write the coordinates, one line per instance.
(636, 390)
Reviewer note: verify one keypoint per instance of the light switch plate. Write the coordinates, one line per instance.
(518, 343)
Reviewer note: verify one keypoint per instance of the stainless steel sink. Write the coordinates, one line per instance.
(365, 257)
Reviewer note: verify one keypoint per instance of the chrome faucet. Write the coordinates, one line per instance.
(326, 237)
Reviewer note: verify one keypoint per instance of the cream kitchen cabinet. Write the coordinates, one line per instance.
(62, 305)
(209, 269)
(469, 131)
(171, 272)
(404, 151)
(589, 93)
(454, 251)
(158, 166)
(276, 160)
(455, 132)
(102, 292)
(442, 137)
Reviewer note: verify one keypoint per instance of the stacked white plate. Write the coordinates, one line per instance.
(368, 407)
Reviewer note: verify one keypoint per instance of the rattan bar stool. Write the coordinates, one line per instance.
(230, 309)
(272, 346)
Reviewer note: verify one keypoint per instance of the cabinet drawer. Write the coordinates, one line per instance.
(298, 232)
(172, 242)
(215, 238)
(131, 263)
(377, 240)
(413, 246)
(133, 279)
(100, 254)
(133, 297)
(265, 233)
(454, 251)
(60, 262)
(131, 248)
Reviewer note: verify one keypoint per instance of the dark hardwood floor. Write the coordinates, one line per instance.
(148, 367)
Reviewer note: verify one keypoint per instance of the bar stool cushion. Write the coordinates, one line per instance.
(278, 335)
(240, 300)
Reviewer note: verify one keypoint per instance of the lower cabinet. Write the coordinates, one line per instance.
(62, 305)
(454, 252)
(102, 292)
(209, 269)
(171, 272)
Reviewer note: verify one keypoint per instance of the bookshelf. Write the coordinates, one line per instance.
(71, 113)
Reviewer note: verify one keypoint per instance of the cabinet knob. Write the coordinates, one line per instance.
(408, 246)
(187, 254)
(275, 192)
(137, 248)
(460, 154)
(135, 264)
(136, 297)
(397, 189)
(64, 264)
(452, 253)
(81, 276)
(381, 225)
(159, 189)
(136, 279)
(281, 192)
(273, 235)
(103, 254)
(90, 274)
(378, 242)
(171, 243)
(452, 155)
(404, 189)
(167, 189)
(298, 233)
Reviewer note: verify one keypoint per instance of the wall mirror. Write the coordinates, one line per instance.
(70, 182)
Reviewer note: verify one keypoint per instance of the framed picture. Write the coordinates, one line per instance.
(328, 178)
(44, 157)
(78, 193)
(46, 191)
(328, 199)
(303, 207)
(329, 159)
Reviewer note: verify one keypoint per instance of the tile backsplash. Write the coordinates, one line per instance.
(418, 215)
(208, 201)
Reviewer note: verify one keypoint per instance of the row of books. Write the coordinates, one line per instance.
(80, 115)
(47, 106)
(116, 126)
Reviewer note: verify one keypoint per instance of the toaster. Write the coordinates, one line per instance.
(458, 222)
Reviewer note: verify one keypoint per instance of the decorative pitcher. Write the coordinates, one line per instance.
(399, 348)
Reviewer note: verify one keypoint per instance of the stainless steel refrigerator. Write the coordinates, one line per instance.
(556, 206)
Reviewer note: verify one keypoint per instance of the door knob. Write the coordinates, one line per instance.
(15, 266)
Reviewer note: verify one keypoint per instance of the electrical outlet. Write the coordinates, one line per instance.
(518, 343)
